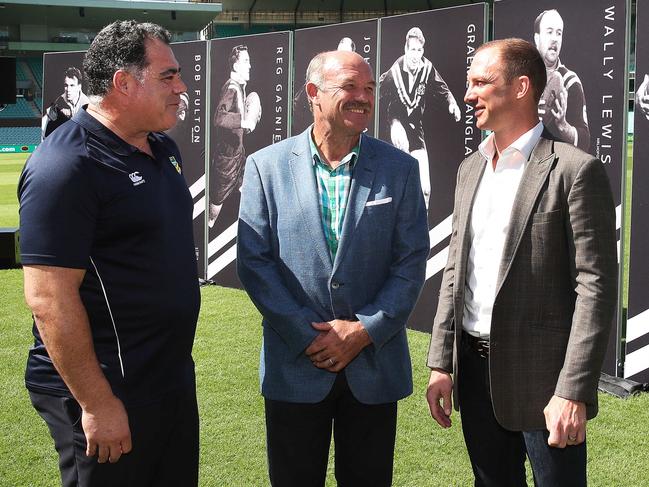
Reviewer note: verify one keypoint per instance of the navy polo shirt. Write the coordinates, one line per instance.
(89, 200)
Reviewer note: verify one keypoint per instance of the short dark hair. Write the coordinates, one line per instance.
(520, 58)
(235, 53)
(73, 72)
(120, 45)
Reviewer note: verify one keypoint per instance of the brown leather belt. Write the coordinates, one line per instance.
(477, 345)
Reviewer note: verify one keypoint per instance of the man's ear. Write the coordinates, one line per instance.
(312, 92)
(122, 81)
(524, 87)
(536, 40)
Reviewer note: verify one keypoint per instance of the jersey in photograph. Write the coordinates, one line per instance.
(249, 102)
(424, 58)
(64, 89)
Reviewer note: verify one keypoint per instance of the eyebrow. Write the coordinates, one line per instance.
(169, 71)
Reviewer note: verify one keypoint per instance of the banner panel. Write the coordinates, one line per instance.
(360, 37)
(63, 96)
(189, 134)
(424, 58)
(583, 46)
(249, 101)
(63, 88)
(636, 364)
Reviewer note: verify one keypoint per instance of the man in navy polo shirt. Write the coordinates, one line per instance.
(110, 273)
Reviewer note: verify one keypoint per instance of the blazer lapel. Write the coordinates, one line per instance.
(534, 176)
(306, 189)
(364, 171)
(470, 185)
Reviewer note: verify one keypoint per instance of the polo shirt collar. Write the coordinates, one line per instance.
(109, 138)
(352, 157)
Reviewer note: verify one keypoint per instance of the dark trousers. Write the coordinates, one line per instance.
(164, 437)
(498, 455)
(298, 437)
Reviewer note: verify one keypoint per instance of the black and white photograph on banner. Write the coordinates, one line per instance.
(636, 363)
(584, 100)
(63, 89)
(248, 110)
(585, 93)
(359, 37)
(189, 134)
(424, 58)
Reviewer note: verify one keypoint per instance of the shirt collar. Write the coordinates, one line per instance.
(350, 158)
(105, 135)
(524, 144)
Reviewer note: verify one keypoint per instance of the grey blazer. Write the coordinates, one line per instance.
(285, 266)
(556, 289)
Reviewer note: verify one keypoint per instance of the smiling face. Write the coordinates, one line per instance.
(493, 97)
(71, 89)
(345, 102)
(413, 51)
(156, 99)
(550, 37)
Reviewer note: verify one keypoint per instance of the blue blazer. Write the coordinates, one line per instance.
(285, 266)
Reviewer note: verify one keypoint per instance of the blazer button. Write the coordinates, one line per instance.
(335, 285)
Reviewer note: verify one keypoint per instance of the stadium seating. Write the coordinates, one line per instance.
(20, 135)
(36, 65)
(232, 30)
(22, 109)
(20, 73)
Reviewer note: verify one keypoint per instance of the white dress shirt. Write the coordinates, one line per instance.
(490, 215)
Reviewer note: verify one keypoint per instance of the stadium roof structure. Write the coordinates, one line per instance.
(340, 5)
(178, 16)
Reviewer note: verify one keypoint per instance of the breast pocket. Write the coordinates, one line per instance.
(547, 217)
(548, 246)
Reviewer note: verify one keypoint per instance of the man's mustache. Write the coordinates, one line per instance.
(358, 105)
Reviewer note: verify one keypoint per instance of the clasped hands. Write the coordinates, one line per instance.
(337, 344)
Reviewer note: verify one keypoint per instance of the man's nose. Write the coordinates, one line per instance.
(469, 96)
(180, 85)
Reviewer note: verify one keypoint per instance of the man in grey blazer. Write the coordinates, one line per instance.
(529, 290)
(332, 247)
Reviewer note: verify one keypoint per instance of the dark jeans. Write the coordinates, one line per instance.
(498, 455)
(298, 437)
(164, 436)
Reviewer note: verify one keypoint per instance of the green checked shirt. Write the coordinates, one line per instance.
(333, 189)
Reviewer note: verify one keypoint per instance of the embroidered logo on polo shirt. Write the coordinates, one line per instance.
(136, 178)
(173, 160)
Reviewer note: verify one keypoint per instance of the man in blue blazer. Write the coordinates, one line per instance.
(332, 249)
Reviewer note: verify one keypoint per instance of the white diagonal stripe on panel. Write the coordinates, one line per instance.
(436, 263)
(199, 207)
(440, 231)
(637, 361)
(637, 326)
(221, 261)
(197, 187)
(222, 239)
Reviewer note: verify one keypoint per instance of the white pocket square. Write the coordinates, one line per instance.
(382, 201)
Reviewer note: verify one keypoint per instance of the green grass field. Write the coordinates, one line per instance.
(232, 425)
(10, 167)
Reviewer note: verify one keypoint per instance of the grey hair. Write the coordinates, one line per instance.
(315, 73)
